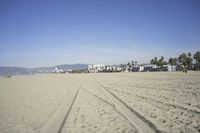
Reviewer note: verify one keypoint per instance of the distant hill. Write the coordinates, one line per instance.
(14, 70)
(72, 66)
(21, 70)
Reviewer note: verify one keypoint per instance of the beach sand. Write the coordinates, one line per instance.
(164, 101)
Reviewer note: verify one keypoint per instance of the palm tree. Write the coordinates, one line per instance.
(185, 61)
(132, 63)
(136, 62)
(155, 58)
(162, 58)
(189, 54)
(182, 58)
(154, 61)
(123, 67)
(129, 66)
(171, 61)
(189, 60)
(196, 56)
(175, 61)
(161, 62)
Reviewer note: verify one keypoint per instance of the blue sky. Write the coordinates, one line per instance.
(36, 33)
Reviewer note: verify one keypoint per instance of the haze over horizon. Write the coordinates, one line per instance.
(46, 33)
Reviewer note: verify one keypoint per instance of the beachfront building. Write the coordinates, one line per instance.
(96, 68)
(137, 68)
(129, 68)
(171, 68)
(118, 68)
(56, 70)
(149, 67)
(104, 68)
(107, 69)
(112, 68)
(141, 68)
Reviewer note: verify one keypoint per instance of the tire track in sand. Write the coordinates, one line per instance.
(142, 124)
(57, 121)
(91, 113)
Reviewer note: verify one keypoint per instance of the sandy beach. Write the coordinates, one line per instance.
(101, 103)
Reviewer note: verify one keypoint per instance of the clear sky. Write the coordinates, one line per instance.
(35, 33)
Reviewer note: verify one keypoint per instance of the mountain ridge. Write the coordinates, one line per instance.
(5, 70)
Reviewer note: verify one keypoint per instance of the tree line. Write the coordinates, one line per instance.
(184, 61)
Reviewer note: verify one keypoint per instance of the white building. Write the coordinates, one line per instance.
(56, 70)
(141, 68)
(171, 68)
(96, 68)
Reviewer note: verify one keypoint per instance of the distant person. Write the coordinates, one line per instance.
(10, 75)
